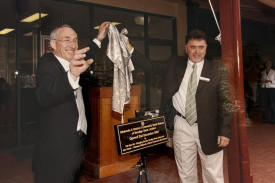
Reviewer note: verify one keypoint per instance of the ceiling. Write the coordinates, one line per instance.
(250, 9)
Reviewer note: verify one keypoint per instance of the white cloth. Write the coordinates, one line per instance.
(186, 146)
(179, 99)
(269, 76)
(121, 57)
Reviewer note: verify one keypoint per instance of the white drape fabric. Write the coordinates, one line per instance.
(119, 54)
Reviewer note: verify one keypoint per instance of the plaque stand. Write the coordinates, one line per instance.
(139, 134)
(142, 166)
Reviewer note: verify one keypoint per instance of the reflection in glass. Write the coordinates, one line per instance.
(8, 95)
(20, 51)
(160, 28)
(157, 53)
(127, 20)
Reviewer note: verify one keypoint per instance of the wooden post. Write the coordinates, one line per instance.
(237, 152)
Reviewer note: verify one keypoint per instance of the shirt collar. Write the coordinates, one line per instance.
(190, 63)
(65, 64)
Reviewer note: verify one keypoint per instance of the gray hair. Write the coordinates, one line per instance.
(53, 34)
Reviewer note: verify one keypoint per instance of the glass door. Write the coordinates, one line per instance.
(8, 87)
(19, 54)
(24, 37)
(27, 55)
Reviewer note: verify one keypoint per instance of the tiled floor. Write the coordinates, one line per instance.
(16, 167)
(161, 168)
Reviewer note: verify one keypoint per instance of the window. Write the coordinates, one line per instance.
(150, 34)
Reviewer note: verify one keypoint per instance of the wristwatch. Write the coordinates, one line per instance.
(99, 39)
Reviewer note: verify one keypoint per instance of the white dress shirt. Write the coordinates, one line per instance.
(66, 66)
(179, 99)
(82, 123)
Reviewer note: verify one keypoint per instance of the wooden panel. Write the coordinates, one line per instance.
(102, 158)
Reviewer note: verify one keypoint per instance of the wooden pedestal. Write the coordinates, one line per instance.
(102, 159)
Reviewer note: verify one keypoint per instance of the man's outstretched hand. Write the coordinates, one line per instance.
(78, 65)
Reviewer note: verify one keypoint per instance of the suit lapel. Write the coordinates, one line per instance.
(206, 72)
(56, 61)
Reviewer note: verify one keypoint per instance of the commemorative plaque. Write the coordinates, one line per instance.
(138, 135)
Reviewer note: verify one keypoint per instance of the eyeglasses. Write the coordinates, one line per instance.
(67, 41)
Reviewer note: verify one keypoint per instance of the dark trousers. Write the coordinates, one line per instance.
(268, 105)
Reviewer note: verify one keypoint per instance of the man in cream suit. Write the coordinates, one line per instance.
(268, 93)
(210, 132)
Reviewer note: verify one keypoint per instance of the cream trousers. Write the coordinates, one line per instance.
(186, 147)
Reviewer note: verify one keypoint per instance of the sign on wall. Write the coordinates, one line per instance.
(45, 45)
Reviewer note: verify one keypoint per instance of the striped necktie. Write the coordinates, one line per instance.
(190, 107)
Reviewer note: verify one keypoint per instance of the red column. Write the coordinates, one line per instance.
(237, 152)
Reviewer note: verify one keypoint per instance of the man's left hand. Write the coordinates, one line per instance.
(223, 141)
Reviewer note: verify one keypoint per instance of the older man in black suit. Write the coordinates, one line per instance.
(59, 150)
(201, 116)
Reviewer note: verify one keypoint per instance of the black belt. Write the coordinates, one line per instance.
(179, 114)
(80, 133)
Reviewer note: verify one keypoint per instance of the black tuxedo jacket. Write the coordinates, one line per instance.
(213, 99)
(59, 148)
